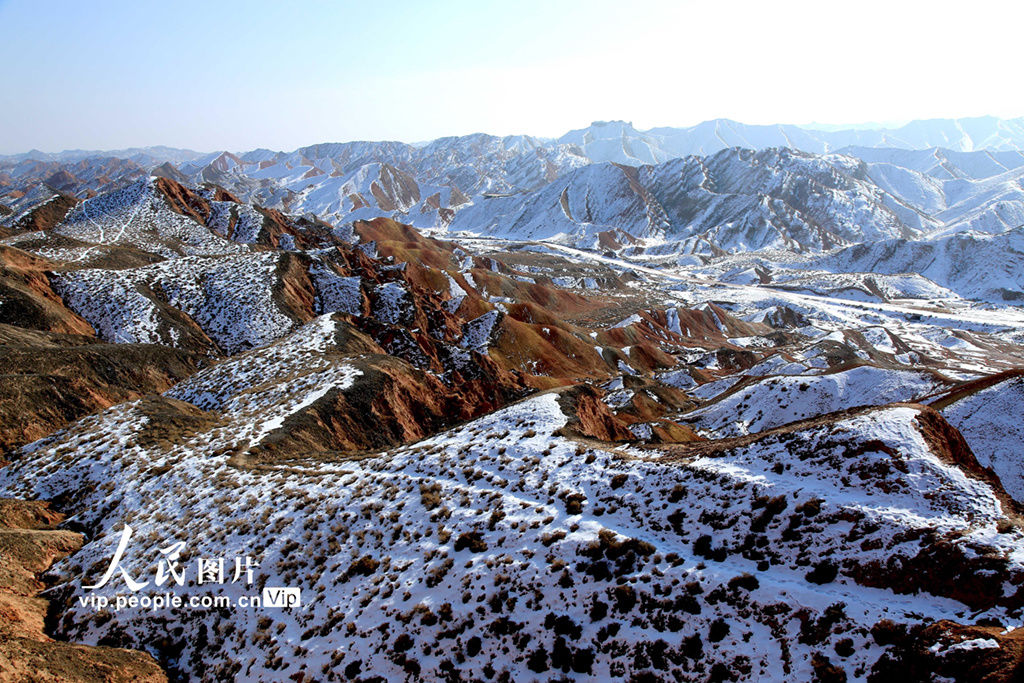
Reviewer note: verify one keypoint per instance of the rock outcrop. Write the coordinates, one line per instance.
(29, 543)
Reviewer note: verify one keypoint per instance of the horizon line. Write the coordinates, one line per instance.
(866, 126)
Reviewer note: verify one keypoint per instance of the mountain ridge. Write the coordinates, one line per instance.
(511, 458)
(839, 131)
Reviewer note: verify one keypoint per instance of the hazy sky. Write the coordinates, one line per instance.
(238, 75)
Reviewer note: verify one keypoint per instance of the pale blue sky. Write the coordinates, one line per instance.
(239, 75)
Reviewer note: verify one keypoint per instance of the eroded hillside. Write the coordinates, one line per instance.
(505, 458)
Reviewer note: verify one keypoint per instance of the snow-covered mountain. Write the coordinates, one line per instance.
(144, 156)
(522, 461)
(973, 264)
(427, 184)
(742, 201)
(736, 200)
(424, 185)
(620, 142)
(916, 215)
(512, 457)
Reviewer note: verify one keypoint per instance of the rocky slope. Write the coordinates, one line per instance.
(30, 543)
(736, 200)
(511, 459)
(924, 204)
(428, 184)
(985, 412)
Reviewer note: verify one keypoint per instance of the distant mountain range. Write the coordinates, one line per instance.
(425, 184)
(746, 200)
(688, 194)
(619, 141)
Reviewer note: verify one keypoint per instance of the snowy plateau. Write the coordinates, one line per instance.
(718, 403)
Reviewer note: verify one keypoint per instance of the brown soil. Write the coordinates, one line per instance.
(29, 544)
(390, 403)
(50, 380)
(183, 200)
(171, 422)
(590, 417)
(950, 446)
(293, 292)
(47, 215)
(29, 301)
(911, 659)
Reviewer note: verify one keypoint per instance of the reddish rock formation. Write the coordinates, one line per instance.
(29, 544)
(293, 292)
(51, 380)
(29, 301)
(389, 403)
(183, 200)
(929, 652)
(590, 417)
(46, 215)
